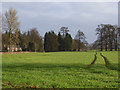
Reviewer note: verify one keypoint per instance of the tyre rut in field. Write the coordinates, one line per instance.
(105, 59)
(93, 60)
(108, 64)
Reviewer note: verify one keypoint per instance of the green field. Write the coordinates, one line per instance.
(59, 70)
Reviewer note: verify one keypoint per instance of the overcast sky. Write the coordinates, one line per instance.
(46, 16)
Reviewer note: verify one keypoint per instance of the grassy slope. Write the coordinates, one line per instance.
(59, 69)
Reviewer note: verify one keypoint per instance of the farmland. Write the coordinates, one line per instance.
(59, 70)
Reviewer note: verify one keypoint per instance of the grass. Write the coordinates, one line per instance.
(59, 70)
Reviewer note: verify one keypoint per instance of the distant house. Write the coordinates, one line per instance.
(13, 48)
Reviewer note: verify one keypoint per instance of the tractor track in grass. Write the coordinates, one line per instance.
(93, 60)
(105, 59)
(107, 63)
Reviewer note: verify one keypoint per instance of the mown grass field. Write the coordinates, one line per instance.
(59, 70)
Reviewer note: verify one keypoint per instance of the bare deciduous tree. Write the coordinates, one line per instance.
(64, 30)
(11, 25)
(100, 35)
(80, 37)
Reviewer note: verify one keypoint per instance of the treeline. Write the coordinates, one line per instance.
(32, 41)
(27, 41)
(107, 38)
(14, 40)
(63, 41)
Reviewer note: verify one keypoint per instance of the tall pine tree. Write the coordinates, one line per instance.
(61, 42)
(68, 42)
(51, 42)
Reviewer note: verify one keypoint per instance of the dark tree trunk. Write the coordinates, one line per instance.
(115, 45)
(106, 47)
(111, 46)
(79, 45)
(101, 47)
